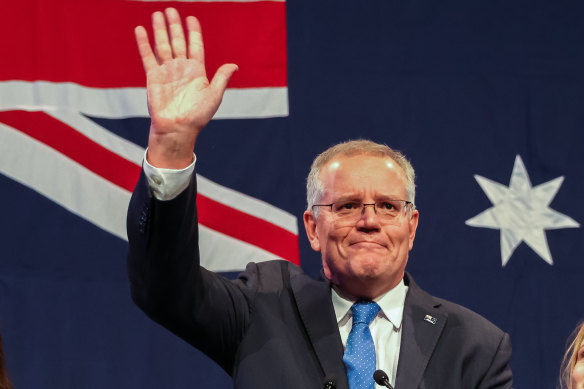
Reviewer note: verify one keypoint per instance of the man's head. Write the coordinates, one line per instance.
(363, 254)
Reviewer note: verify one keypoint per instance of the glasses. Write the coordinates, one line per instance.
(349, 212)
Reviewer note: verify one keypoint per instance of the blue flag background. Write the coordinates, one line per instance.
(461, 87)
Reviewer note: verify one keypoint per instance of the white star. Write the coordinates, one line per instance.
(521, 212)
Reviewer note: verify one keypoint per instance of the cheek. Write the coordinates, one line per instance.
(399, 236)
(578, 374)
(334, 253)
(331, 237)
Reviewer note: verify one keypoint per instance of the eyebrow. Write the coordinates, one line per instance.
(356, 197)
(348, 197)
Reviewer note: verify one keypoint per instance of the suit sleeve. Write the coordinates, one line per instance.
(168, 284)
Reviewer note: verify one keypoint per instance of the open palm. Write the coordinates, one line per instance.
(181, 100)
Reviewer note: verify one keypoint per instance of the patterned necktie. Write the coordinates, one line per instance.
(360, 351)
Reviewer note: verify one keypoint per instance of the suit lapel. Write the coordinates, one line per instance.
(422, 325)
(313, 299)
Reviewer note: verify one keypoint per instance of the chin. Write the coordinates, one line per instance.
(369, 269)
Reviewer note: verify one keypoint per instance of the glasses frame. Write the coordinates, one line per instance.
(365, 205)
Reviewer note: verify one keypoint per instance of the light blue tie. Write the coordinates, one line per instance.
(360, 351)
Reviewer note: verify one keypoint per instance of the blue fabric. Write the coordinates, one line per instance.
(360, 351)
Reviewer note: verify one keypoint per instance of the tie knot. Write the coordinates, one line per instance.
(364, 312)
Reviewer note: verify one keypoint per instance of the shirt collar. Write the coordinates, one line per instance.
(391, 304)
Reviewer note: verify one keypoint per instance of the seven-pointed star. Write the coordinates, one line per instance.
(521, 212)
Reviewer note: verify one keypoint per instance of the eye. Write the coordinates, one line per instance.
(580, 354)
(386, 205)
(347, 206)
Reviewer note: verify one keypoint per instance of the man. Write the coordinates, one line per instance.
(275, 326)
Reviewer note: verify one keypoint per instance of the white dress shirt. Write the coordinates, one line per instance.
(385, 327)
(166, 184)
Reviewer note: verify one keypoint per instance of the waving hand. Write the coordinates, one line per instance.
(181, 100)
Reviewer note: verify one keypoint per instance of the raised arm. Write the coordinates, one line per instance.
(181, 100)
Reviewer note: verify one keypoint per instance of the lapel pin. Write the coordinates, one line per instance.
(430, 319)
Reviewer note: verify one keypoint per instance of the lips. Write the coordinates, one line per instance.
(366, 243)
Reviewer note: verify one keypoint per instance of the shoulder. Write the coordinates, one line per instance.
(469, 322)
(270, 275)
(467, 342)
(464, 321)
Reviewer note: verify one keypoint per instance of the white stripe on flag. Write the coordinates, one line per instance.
(115, 103)
(249, 103)
(247, 204)
(223, 253)
(52, 174)
(107, 139)
(97, 200)
(206, 187)
(119, 103)
(64, 181)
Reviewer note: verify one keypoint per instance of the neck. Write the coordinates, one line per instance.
(363, 291)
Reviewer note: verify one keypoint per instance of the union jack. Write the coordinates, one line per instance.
(73, 69)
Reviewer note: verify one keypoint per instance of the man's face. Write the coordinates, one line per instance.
(368, 257)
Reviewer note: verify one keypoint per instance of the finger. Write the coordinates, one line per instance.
(177, 36)
(196, 49)
(144, 48)
(161, 43)
(221, 78)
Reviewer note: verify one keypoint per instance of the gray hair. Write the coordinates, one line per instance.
(315, 187)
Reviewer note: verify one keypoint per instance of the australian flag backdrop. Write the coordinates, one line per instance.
(485, 97)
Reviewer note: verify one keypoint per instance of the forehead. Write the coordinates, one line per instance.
(363, 175)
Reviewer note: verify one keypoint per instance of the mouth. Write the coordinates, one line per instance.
(366, 244)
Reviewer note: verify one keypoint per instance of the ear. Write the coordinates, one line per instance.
(310, 227)
(413, 226)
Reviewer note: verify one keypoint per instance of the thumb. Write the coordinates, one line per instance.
(221, 78)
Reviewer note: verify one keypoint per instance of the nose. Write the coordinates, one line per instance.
(373, 210)
(369, 219)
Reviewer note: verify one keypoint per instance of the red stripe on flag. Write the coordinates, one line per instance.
(74, 145)
(248, 228)
(92, 42)
(124, 173)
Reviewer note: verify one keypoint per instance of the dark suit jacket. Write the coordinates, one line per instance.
(275, 326)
